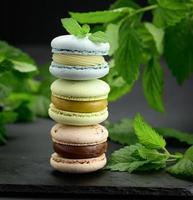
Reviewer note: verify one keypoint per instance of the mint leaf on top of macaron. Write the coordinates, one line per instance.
(74, 28)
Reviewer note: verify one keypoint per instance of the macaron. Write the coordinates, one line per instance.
(78, 149)
(78, 58)
(79, 103)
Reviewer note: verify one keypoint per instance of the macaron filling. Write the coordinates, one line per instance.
(80, 152)
(79, 106)
(77, 60)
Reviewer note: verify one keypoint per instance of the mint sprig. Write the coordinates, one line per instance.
(136, 43)
(123, 132)
(73, 27)
(20, 90)
(149, 152)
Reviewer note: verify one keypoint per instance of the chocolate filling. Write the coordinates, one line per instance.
(80, 152)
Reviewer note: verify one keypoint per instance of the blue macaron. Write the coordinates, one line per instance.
(78, 58)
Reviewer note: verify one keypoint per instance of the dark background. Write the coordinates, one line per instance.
(38, 21)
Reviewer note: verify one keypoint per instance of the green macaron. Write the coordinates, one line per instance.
(79, 103)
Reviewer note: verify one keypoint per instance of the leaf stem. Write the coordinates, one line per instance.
(147, 8)
(166, 151)
(140, 10)
(171, 155)
(171, 160)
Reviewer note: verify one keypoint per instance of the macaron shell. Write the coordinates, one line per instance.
(79, 136)
(77, 165)
(73, 45)
(78, 72)
(77, 119)
(80, 90)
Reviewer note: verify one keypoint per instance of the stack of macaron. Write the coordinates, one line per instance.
(78, 104)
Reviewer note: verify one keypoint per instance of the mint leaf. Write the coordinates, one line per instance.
(179, 49)
(189, 153)
(128, 55)
(184, 167)
(112, 34)
(147, 135)
(85, 28)
(124, 3)
(5, 66)
(170, 12)
(179, 135)
(157, 35)
(153, 84)
(124, 159)
(40, 105)
(100, 16)
(151, 154)
(136, 158)
(7, 117)
(98, 37)
(118, 85)
(72, 27)
(9, 52)
(24, 67)
(122, 132)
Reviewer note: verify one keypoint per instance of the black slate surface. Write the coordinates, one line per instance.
(24, 163)
(24, 168)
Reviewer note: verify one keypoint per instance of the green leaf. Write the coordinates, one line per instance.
(147, 135)
(128, 55)
(153, 166)
(98, 37)
(85, 28)
(4, 91)
(184, 167)
(47, 79)
(189, 153)
(72, 27)
(179, 135)
(22, 103)
(9, 52)
(112, 34)
(157, 34)
(7, 117)
(40, 105)
(118, 85)
(136, 158)
(122, 132)
(100, 16)
(153, 84)
(170, 12)
(151, 154)
(23, 67)
(124, 159)
(179, 49)
(5, 66)
(124, 3)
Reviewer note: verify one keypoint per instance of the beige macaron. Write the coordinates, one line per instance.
(77, 165)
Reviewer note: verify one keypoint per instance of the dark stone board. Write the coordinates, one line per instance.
(24, 163)
(24, 169)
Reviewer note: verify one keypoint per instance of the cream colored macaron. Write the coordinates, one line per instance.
(77, 165)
